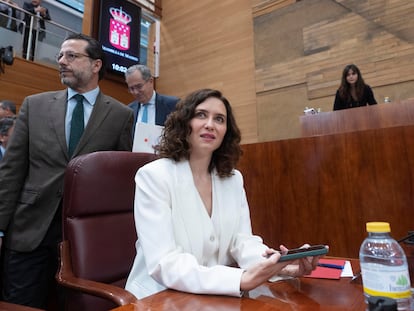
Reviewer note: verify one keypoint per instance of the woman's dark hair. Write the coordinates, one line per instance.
(174, 139)
(345, 87)
(93, 49)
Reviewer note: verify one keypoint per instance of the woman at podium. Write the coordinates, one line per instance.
(353, 92)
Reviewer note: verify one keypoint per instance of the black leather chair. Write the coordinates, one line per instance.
(99, 234)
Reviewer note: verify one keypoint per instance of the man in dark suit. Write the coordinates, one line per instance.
(32, 171)
(38, 31)
(141, 85)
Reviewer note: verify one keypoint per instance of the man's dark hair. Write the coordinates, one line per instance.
(5, 124)
(93, 49)
(8, 105)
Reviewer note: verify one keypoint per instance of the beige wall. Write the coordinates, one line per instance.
(209, 44)
(273, 58)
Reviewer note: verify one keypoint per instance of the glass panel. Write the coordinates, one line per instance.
(78, 5)
(145, 26)
(54, 34)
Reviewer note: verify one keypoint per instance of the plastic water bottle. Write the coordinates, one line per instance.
(384, 266)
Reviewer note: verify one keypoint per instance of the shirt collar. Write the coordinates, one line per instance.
(152, 100)
(89, 96)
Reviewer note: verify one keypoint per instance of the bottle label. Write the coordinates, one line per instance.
(388, 281)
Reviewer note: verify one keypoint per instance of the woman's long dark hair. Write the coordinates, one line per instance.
(345, 87)
(174, 139)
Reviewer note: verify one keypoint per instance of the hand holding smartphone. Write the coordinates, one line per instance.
(296, 253)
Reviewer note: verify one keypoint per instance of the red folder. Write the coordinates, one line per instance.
(328, 273)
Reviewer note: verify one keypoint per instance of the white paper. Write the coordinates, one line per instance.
(146, 136)
(347, 270)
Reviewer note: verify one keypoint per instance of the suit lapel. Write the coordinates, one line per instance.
(135, 107)
(187, 210)
(99, 112)
(58, 106)
(159, 110)
(224, 195)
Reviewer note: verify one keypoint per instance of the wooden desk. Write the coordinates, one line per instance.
(5, 306)
(398, 113)
(323, 189)
(304, 294)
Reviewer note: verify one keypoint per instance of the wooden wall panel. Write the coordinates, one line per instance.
(25, 78)
(210, 44)
(324, 189)
(325, 37)
(361, 118)
(272, 58)
(261, 7)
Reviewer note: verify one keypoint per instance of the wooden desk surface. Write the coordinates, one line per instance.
(5, 306)
(397, 113)
(304, 294)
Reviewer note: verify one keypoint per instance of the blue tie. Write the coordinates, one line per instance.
(76, 125)
(144, 118)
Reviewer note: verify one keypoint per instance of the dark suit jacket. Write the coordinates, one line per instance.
(15, 15)
(28, 6)
(164, 105)
(32, 170)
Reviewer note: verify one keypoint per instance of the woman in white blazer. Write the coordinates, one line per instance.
(191, 211)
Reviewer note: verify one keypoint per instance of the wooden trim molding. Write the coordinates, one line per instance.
(261, 7)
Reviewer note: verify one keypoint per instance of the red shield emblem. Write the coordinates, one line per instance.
(119, 34)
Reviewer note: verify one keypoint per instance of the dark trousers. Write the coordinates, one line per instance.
(29, 277)
(26, 42)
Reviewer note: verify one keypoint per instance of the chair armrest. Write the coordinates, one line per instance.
(66, 278)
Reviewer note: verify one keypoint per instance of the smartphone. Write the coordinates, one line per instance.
(296, 253)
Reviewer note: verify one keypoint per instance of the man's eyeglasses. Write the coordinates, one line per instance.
(137, 87)
(70, 56)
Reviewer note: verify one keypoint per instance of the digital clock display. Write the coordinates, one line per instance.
(119, 68)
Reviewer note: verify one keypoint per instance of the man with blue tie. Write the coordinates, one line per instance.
(155, 107)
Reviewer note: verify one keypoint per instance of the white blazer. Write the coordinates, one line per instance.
(179, 246)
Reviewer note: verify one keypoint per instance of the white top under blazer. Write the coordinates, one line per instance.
(179, 245)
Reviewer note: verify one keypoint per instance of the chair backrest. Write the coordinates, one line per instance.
(98, 220)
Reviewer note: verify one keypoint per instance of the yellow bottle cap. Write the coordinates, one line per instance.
(378, 227)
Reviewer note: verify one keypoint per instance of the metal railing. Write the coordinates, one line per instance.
(46, 41)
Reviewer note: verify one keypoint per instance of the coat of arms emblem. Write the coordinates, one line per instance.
(119, 31)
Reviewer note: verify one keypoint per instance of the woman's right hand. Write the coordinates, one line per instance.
(262, 271)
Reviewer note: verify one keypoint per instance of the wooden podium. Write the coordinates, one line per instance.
(397, 113)
(352, 167)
